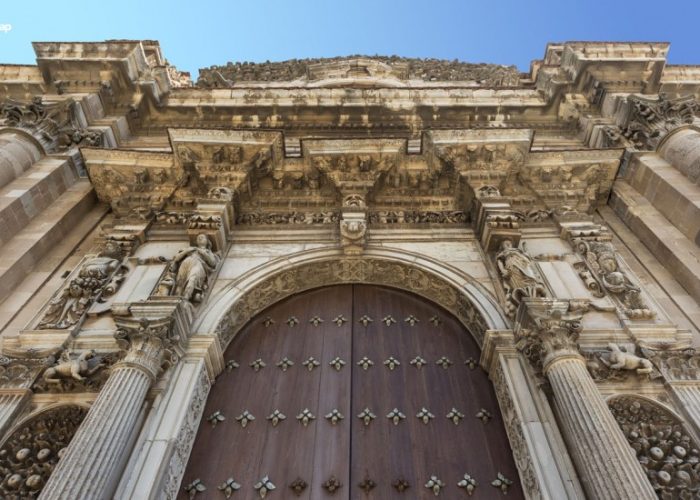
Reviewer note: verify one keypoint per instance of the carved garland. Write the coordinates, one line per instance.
(30, 454)
(668, 454)
(332, 272)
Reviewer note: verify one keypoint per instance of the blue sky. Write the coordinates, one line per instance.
(199, 33)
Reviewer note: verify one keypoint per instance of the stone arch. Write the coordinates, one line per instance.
(667, 451)
(31, 450)
(232, 307)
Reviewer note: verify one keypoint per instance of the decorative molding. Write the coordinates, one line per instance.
(186, 435)
(378, 67)
(350, 270)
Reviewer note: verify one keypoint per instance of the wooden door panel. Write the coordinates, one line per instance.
(289, 450)
(413, 450)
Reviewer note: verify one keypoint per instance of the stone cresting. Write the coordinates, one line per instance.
(350, 270)
(428, 70)
(666, 451)
(29, 455)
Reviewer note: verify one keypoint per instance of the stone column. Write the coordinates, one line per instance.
(18, 152)
(547, 332)
(681, 148)
(94, 458)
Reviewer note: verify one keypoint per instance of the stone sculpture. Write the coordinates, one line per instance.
(520, 276)
(85, 365)
(189, 270)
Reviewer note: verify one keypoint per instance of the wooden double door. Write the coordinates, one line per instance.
(352, 391)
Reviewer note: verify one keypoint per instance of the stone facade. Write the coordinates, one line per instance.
(145, 219)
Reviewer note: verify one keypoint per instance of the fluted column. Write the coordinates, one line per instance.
(18, 152)
(607, 465)
(91, 463)
(681, 149)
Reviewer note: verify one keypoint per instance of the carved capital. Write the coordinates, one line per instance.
(547, 330)
(55, 125)
(150, 344)
(650, 120)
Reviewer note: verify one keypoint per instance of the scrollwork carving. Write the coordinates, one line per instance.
(650, 120)
(98, 277)
(603, 263)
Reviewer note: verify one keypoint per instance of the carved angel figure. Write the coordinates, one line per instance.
(85, 365)
(623, 360)
(191, 266)
(521, 278)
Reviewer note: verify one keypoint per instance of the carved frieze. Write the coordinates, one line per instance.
(667, 452)
(397, 68)
(675, 364)
(418, 217)
(30, 454)
(294, 218)
(20, 373)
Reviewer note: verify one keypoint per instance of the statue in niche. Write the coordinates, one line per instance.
(98, 277)
(521, 278)
(189, 270)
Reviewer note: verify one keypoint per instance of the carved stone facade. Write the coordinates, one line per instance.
(145, 220)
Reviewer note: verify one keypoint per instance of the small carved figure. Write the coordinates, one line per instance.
(622, 360)
(192, 266)
(521, 278)
(76, 368)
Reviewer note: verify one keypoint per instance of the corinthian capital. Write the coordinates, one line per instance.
(150, 344)
(547, 330)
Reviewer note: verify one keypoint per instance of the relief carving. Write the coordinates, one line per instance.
(30, 454)
(602, 261)
(55, 123)
(21, 372)
(261, 218)
(668, 454)
(520, 276)
(97, 278)
(617, 364)
(418, 217)
(683, 364)
(400, 67)
(516, 437)
(72, 372)
(350, 270)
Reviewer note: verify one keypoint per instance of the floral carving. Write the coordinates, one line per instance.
(31, 453)
(418, 217)
(675, 364)
(668, 453)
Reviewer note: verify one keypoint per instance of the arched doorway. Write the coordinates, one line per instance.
(396, 373)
